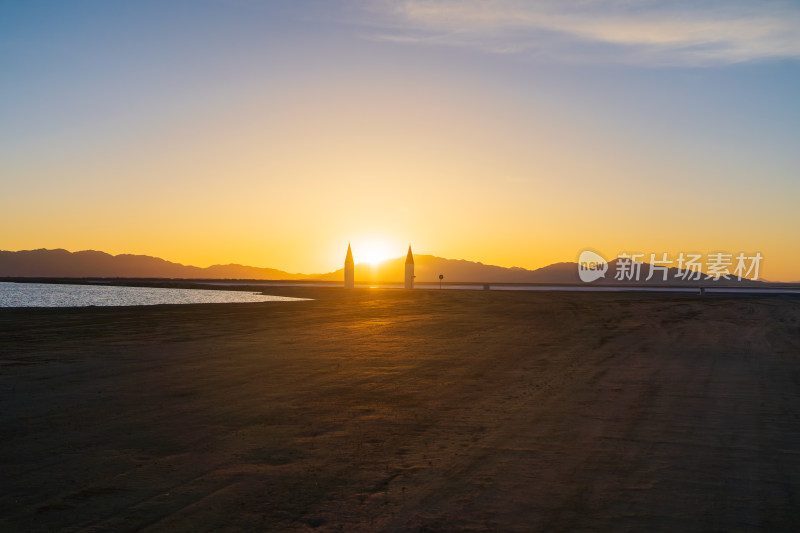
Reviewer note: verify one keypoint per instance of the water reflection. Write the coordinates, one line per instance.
(56, 295)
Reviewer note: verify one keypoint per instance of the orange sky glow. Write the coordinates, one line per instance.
(243, 135)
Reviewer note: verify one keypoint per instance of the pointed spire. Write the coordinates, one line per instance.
(348, 260)
(410, 256)
(409, 280)
(349, 269)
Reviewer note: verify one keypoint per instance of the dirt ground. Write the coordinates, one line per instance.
(391, 410)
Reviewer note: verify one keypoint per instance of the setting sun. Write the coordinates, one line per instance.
(372, 252)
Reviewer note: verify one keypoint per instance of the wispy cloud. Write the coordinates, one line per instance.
(635, 31)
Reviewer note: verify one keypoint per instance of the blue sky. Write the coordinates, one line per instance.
(125, 122)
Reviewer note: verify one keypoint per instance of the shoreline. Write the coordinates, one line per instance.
(745, 288)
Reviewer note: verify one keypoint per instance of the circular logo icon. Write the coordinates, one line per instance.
(591, 266)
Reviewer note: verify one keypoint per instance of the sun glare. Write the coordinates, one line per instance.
(373, 253)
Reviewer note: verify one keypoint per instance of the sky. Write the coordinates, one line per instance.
(512, 133)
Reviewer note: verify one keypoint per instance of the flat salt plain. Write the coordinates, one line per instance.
(386, 410)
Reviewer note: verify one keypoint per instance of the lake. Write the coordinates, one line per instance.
(65, 295)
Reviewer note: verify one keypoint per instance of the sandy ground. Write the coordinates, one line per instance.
(390, 410)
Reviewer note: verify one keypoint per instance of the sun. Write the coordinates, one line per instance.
(373, 252)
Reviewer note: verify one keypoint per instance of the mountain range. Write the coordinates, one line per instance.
(93, 264)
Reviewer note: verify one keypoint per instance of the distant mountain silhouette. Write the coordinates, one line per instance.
(428, 267)
(92, 264)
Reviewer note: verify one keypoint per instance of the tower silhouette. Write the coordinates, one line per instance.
(349, 269)
(409, 282)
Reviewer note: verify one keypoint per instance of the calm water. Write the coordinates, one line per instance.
(53, 295)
